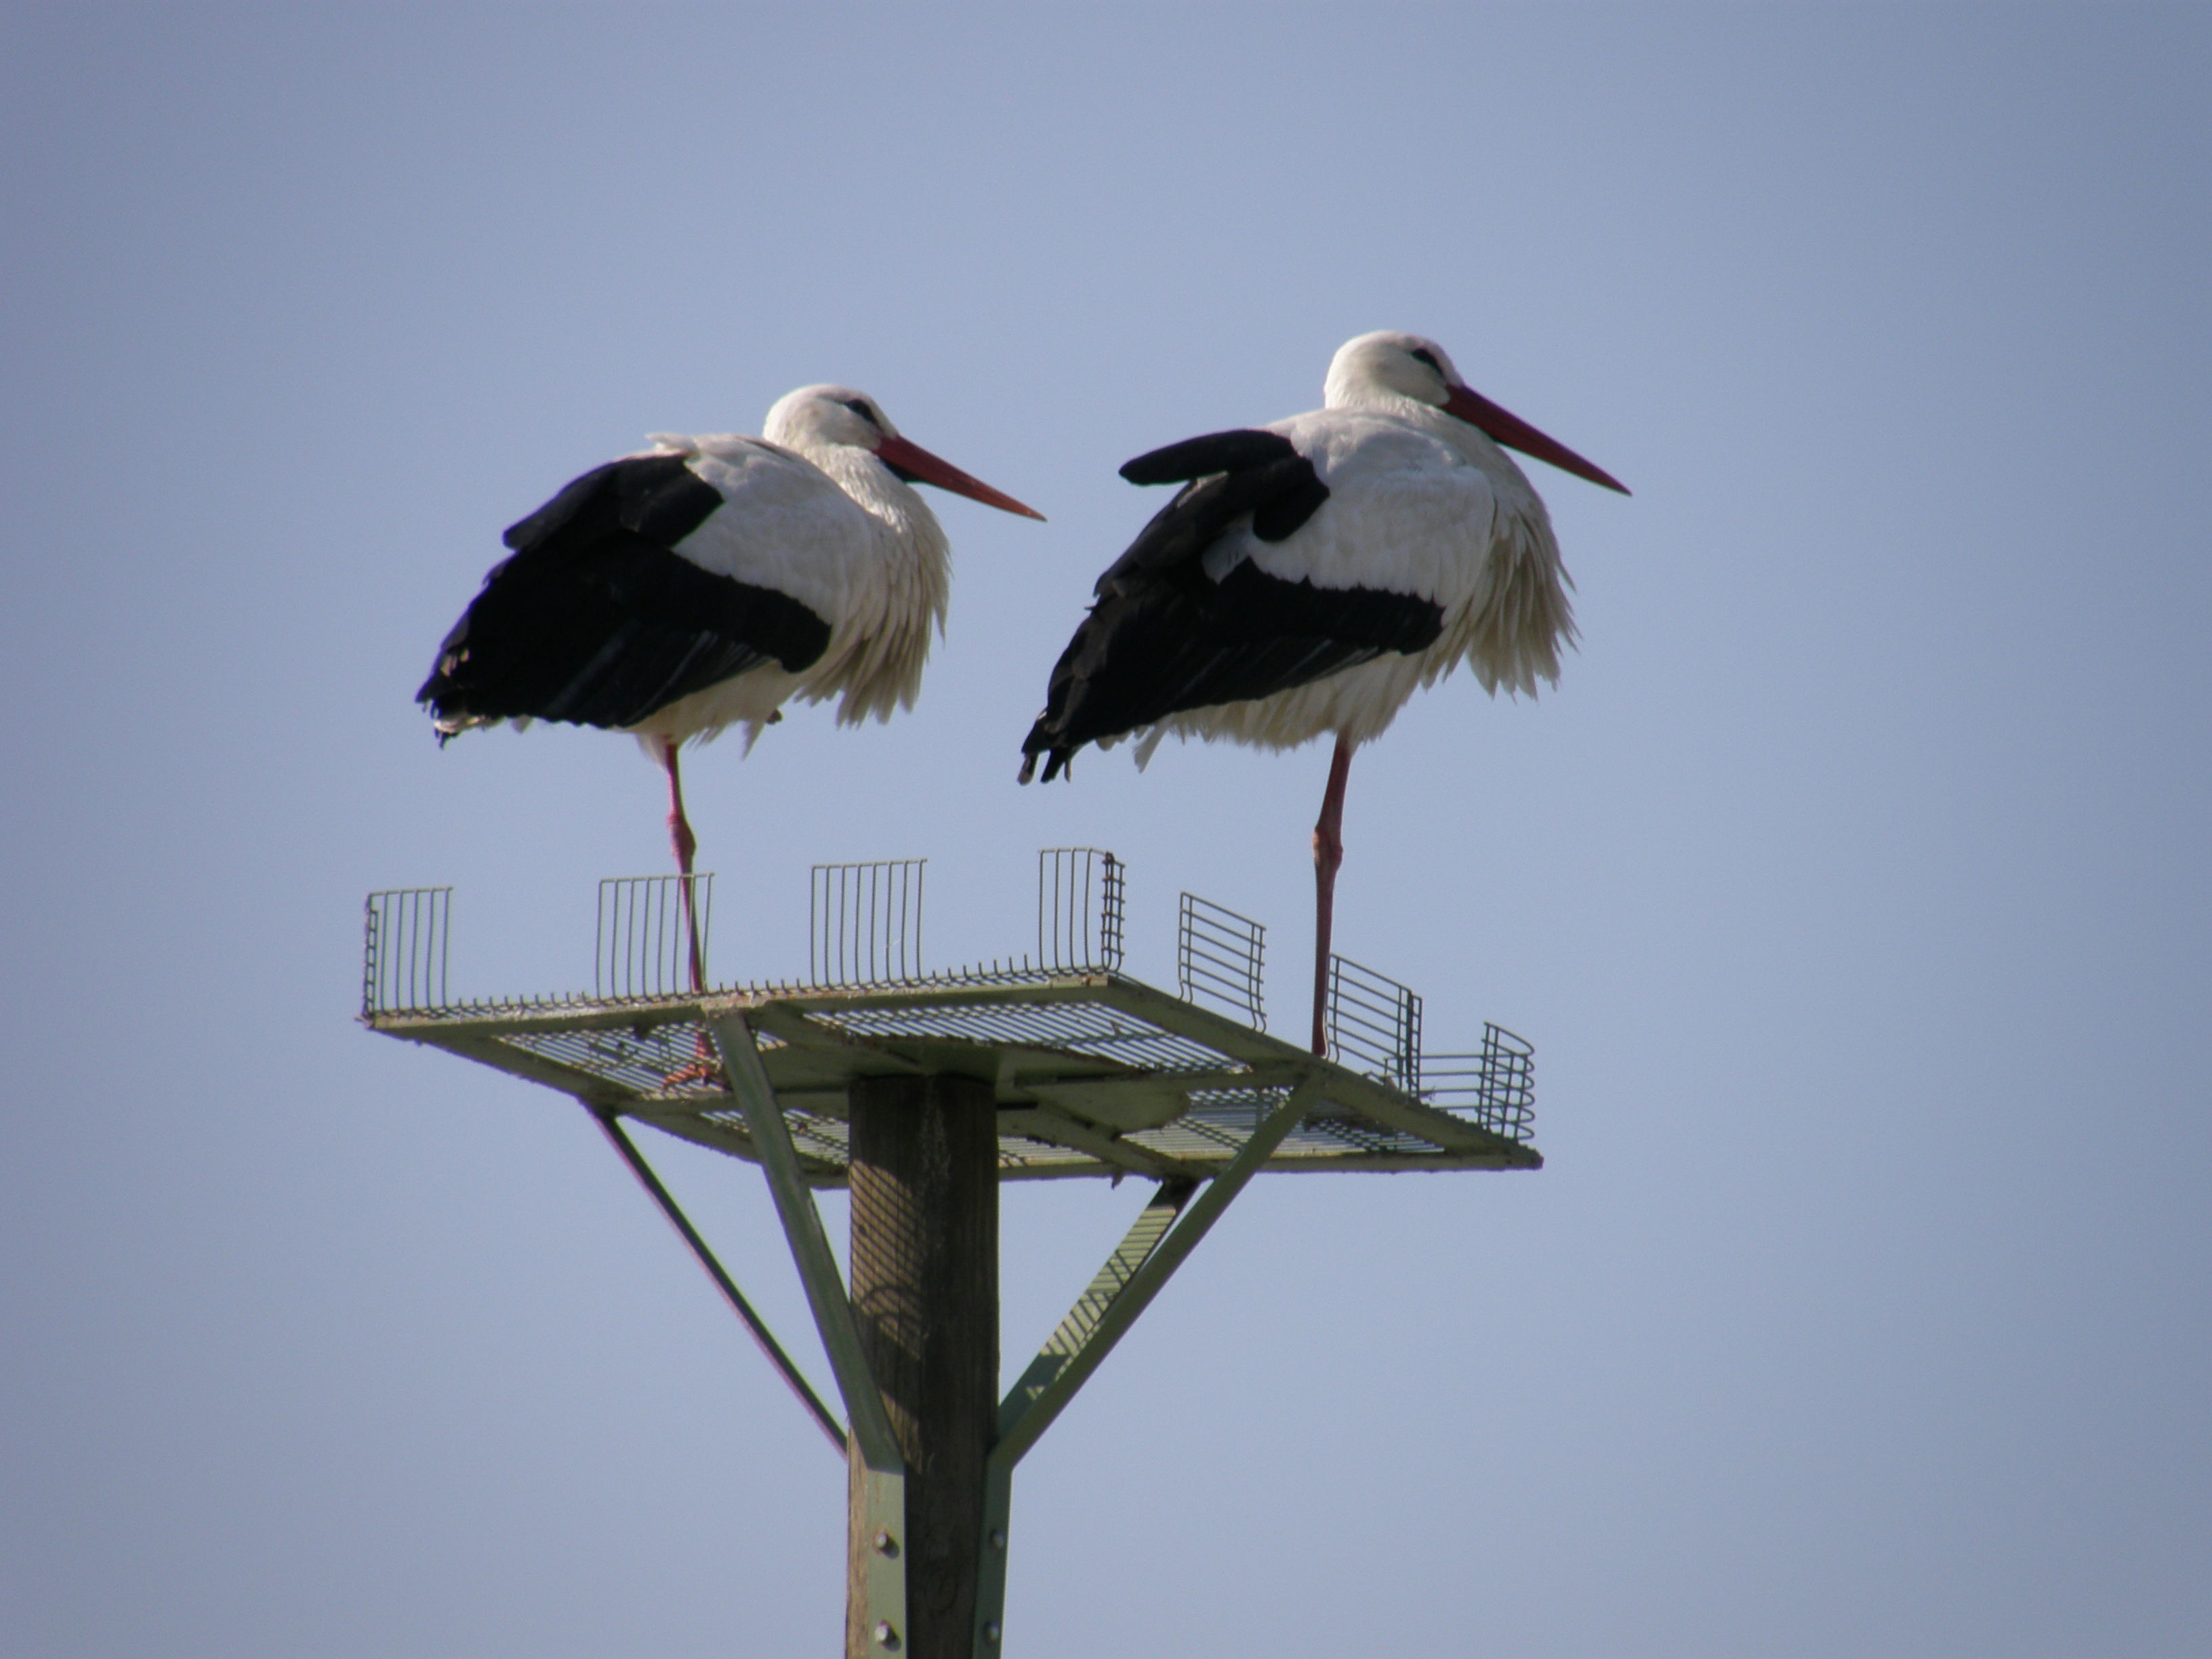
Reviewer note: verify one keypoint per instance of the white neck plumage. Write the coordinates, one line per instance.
(887, 632)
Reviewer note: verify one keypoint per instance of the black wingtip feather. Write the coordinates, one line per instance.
(1217, 452)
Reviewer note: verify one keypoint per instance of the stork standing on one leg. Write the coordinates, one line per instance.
(1311, 573)
(700, 584)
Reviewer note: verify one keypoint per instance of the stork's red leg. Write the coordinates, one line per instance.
(1329, 854)
(686, 844)
(706, 1068)
(680, 827)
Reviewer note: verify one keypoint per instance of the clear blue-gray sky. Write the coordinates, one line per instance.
(1852, 884)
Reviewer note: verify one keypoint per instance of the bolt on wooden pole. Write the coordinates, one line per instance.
(925, 1288)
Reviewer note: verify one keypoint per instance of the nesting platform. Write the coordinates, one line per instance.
(1079, 1069)
(1096, 1073)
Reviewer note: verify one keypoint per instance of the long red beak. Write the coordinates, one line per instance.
(1515, 433)
(911, 457)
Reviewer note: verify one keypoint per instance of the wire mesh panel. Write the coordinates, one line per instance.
(1496, 1088)
(647, 929)
(1080, 908)
(864, 922)
(1219, 955)
(1108, 1077)
(403, 956)
(1082, 1027)
(1374, 1023)
(645, 1061)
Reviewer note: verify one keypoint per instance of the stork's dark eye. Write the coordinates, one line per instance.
(1424, 356)
(859, 407)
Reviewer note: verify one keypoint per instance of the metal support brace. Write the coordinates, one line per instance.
(761, 1333)
(1159, 1242)
(991, 1568)
(833, 1317)
(1142, 1239)
(884, 1527)
(1056, 1373)
(1066, 1344)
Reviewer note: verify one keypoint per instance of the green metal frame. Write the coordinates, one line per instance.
(773, 1349)
(1167, 1230)
(788, 1053)
(1161, 1239)
(884, 1469)
(1096, 1073)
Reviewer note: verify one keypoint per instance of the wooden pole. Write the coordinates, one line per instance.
(924, 1282)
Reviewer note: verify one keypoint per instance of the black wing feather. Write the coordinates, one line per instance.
(1234, 475)
(594, 620)
(1244, 450)
(1164, 636)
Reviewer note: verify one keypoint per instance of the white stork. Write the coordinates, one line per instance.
(699, 584)
(1311, 573)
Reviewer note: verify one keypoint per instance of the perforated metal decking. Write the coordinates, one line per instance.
(1094, 1073)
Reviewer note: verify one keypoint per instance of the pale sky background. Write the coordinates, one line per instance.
(1851, 886)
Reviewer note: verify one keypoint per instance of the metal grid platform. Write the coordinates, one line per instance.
(1097, 1073)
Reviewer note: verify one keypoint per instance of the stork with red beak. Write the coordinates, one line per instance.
(703, 582)
(1309, 575)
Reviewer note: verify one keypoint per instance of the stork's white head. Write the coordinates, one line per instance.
(1376, 370)
(1377, 367)
(815, 417)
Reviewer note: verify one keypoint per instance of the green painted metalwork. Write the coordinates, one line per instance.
(991, 1571)
(1158, 1241)
(1074, 1333)
(706, 1257)
(883, 1612)
(1095, 1074)
(1059, 1375)
(810, 1248)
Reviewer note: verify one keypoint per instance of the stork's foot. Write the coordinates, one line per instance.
(707, 1069)
(698, 1072)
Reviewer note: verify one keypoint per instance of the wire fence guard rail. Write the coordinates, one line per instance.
(1373, 1024)
(864, 922)
(643, 944)
(402, 958)
(1119, 1077)
(1080, 908)
(1219, 955)
(865, 929)
(1495, 1088)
